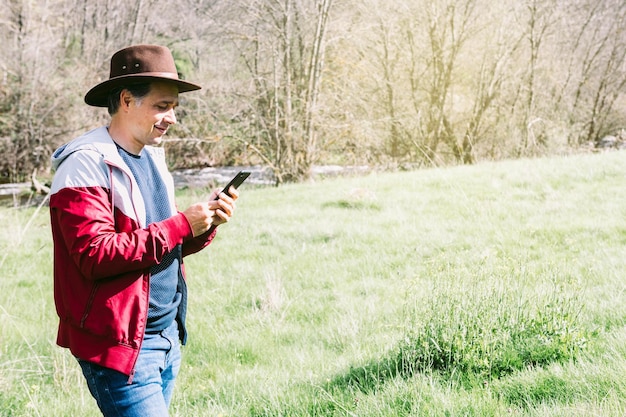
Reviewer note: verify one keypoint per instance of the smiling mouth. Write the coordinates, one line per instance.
(162, 130)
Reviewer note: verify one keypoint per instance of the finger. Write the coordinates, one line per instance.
(225, 197)
(223, 215)
(219, 203)
(233, 193)
(226, 207)
(220, 217)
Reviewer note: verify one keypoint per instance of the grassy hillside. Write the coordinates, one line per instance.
(486, 290)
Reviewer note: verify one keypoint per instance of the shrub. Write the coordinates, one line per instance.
(478, 337)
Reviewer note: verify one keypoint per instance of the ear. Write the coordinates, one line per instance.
(125, 99)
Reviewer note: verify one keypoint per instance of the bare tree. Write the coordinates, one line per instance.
(595, 72)
(33, 89)
(282, 43)
(487, 89)
(538, 18)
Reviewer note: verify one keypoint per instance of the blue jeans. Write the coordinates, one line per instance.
(151, 390)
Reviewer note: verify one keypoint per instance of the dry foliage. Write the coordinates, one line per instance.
(294, 83)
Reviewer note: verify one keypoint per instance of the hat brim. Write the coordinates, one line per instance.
(98, 95)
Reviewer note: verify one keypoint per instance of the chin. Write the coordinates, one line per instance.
(156, 141)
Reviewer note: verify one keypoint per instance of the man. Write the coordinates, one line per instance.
(119, 240)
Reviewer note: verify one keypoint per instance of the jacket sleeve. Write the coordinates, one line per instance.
(104, 242)
(198, 243)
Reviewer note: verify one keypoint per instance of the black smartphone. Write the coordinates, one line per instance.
(235, 182)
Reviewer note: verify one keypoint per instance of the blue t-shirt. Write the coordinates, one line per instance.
(165, 296)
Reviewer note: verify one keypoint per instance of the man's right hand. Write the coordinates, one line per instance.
(217, 211)
(200, 217)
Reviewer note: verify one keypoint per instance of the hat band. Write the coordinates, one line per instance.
(169, 75)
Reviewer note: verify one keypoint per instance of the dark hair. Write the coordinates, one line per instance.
(138, 91)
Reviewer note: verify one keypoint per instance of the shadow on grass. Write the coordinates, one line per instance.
(468, 340)
(464, 348)
(477, 362)
(372, 375)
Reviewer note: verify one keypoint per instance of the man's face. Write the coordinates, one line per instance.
(151, 115)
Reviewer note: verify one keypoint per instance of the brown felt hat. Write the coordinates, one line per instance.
(137, 64)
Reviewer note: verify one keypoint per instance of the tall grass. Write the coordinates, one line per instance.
(486, 290)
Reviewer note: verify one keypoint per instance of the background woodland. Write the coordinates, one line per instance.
(294, 83)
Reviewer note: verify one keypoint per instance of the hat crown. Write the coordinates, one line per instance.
(138, 63)
(143, 59)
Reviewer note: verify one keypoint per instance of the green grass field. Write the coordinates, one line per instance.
(487, 290)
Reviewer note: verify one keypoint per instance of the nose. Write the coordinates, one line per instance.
(170, 117)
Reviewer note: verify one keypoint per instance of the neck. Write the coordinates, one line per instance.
(120, 135)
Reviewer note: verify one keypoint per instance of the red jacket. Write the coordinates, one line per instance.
(103, 250)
